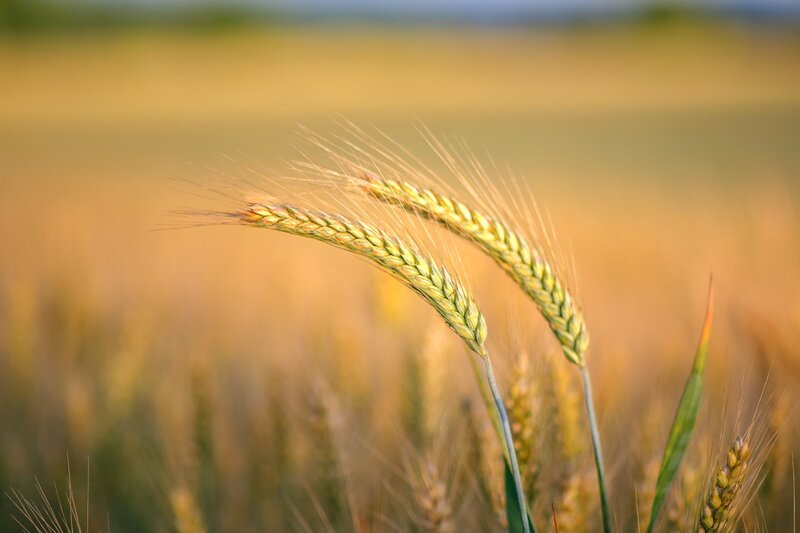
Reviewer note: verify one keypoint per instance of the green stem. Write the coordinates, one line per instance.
(598, 451)
(488, 401)
(509, 441)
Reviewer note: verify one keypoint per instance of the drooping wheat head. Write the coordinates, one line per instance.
(527, 265)
(418, 272)
(415, 270)
(524, 262)
(721, 499)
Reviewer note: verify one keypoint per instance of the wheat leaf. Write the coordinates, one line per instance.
(685, 418)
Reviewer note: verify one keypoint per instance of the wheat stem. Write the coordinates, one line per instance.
(596, 448)
(509, 441)
(488, 400)
(491, 394)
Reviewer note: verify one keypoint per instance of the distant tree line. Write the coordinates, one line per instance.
(28, 16)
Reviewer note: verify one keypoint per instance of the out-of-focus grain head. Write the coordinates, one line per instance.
(721, 501)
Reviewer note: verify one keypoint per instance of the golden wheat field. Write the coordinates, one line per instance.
(223, 378)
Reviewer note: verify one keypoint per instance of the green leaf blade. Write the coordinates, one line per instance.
(685, 418)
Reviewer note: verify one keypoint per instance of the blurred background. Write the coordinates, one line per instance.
(221, 379)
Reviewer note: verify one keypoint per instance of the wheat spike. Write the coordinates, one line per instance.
(522, 413)
(420, 273)
(526, 264)
(430, 498)
(573, 509)
(719, 503)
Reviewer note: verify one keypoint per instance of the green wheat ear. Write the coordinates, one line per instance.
(525, 263)
(418, 272)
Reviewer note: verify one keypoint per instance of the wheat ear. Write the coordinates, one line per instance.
(719, 502)
(421, 274)
(431, 499)
(522, 409)
(418, 272)
(574, 507)
(526, 264)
